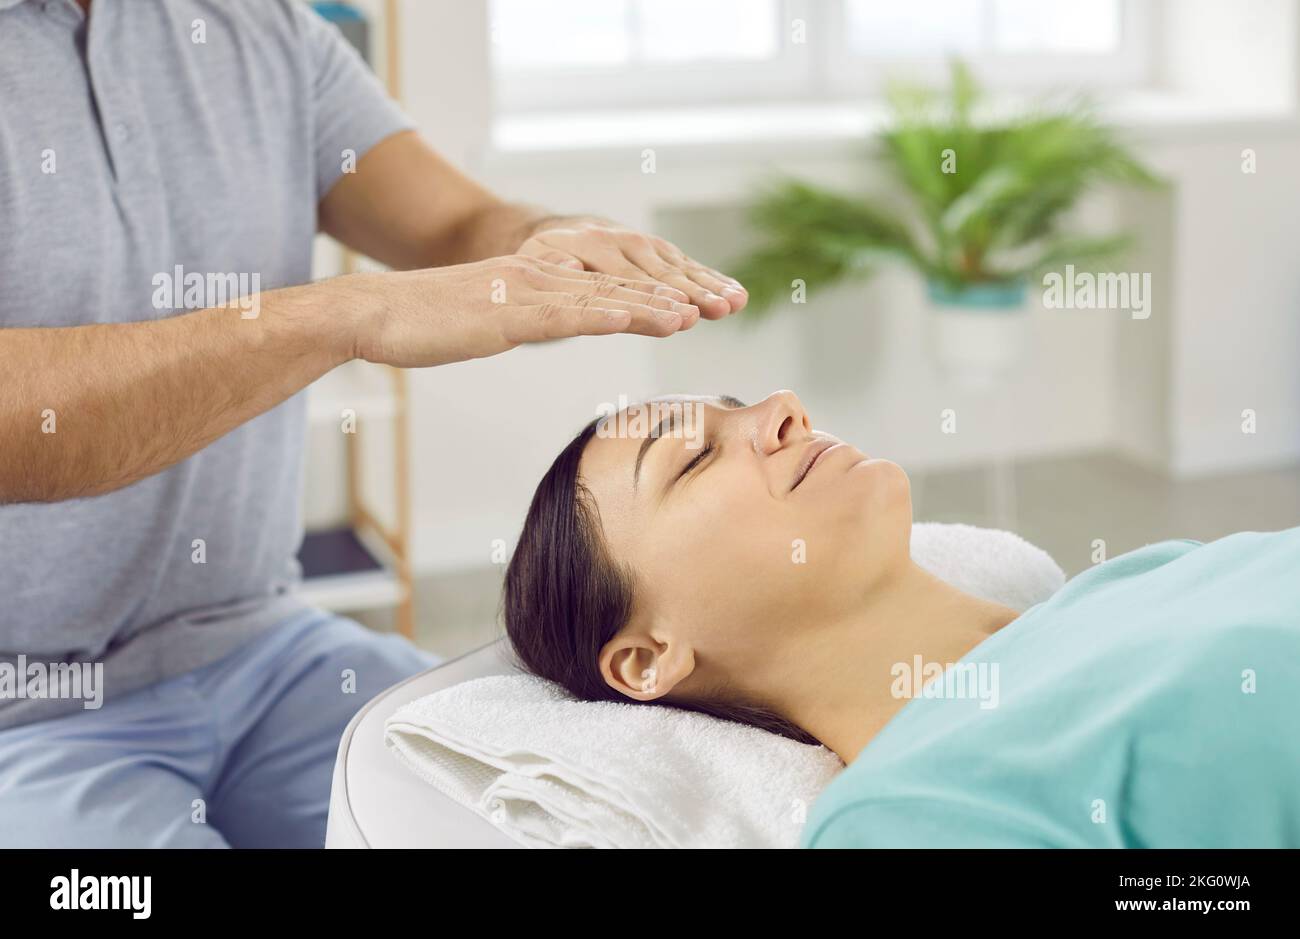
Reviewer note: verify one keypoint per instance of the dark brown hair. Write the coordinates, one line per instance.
(565, 598)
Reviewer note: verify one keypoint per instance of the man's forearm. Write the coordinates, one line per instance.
(89, 409)
(409, 208)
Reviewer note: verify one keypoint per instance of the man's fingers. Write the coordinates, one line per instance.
(575, 281)
(562, 259)
(712, 303)
(545, 321)
(728, 288)
(651, 315)
(642, 261)
(607, 259)
(635, 260)
(719, 283)
(578, 290)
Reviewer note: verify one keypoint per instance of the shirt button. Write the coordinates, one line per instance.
(121, 133)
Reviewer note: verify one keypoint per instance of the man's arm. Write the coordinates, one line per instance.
(409, 208)
(85, 410)
(89, 409)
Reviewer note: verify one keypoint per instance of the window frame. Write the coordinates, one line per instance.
(668, 84)
(822, 68)
(849, 74)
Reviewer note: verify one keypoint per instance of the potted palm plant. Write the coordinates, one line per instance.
(978, 214)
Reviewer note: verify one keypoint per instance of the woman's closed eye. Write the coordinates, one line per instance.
(695, 462)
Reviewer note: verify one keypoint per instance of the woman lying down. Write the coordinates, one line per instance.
(760, 571)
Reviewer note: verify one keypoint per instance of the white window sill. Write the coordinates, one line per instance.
(519, 139)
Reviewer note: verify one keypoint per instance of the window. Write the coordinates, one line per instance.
(981, 27)
(579, 53)
(590, 53)
(1011, 44)
(542, 36)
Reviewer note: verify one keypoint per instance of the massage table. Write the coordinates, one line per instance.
(376, 802)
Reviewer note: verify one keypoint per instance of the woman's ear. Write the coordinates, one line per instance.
(639, 666)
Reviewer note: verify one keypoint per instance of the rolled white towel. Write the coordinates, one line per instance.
(987, 562)
(553, 771)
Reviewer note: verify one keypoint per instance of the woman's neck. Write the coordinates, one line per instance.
(846, 689)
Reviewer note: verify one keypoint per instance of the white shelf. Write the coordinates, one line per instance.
(348, 593)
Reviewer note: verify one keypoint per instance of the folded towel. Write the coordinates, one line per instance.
(555, 772)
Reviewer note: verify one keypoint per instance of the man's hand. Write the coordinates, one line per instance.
(415, 319)
(409, 208)
(598, 246)
(201, 374)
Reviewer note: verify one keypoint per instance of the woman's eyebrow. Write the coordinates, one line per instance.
(663, 428)
(667, 426)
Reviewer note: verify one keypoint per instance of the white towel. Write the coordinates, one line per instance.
(551, 770)
(555, 772)
(996, 565)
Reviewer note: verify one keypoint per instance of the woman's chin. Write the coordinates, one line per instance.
(877, 470)
(885, 486)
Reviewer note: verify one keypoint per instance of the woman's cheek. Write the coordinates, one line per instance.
(720, 503)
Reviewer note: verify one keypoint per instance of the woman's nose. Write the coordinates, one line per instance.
(783, 420)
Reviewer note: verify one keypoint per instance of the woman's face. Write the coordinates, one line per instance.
(742, 527)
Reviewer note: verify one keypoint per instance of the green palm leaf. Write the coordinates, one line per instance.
(998, 217)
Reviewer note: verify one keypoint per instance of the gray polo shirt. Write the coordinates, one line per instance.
(163, 133)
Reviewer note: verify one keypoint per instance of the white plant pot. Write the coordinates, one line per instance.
(979, 335)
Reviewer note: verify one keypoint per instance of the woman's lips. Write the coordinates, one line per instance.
(812, 456)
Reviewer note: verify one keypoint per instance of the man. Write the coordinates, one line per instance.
(155, 159)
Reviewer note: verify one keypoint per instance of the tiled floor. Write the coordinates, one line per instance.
(1060, 504)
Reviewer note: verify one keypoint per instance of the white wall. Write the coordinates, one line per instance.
(1236, 319)
(1224, 333)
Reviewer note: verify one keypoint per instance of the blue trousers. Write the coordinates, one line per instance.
(239, 753)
